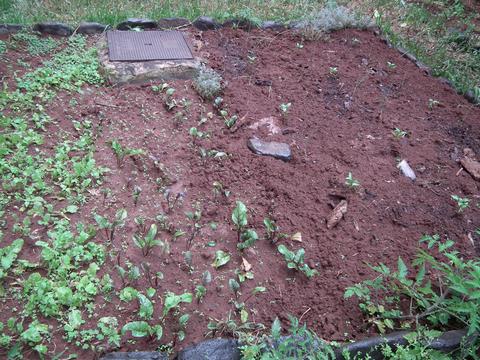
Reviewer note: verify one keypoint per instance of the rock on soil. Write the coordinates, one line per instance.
(10, 28)
(270, 148)
(91, 28)
(470, 164)
(217, 349)
(53, 28)
(137, 23)
(172, 23)
(206, 23)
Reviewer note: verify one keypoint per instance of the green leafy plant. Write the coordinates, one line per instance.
(391, 65)
(170, 102)
(462, 203)
(296, 260)
(143, 329)
(433, 103)
(245, 237)
(8, 255)
(148, 241)
(122, 152)
(450, 297)
(333, 71)
(182, 325)
(301, 343)
(351, 182)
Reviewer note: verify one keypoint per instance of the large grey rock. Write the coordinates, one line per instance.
(10, 28)
(53, 28)
(275, 149)
(272, 25)
(91, 28)
(216, 349)
(204, 23)
(122, 72)
(131, 23)
(137, 355)
(172, 23)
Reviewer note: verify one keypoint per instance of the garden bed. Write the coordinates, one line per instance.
(348, 94)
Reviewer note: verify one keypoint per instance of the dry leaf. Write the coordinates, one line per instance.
(246, 266)
(297, 237)
(337, 214)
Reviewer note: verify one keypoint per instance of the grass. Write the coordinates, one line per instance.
(112, 12)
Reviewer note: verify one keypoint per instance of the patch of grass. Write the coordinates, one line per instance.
(208, 83)
(441, 35)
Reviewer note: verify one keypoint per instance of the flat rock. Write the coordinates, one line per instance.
(204, 23)
(270, 148)
(123, 72)
(243, 24)
(137, 355)
(53, 28)
(10, 28)
(216, 349)
(91, 28)
(131, 23)
(172, 23)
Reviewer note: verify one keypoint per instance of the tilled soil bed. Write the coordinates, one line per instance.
(345, 102)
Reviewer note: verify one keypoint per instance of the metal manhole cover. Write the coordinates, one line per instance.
(147, 45)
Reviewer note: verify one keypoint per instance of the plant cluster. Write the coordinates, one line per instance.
(452, 298)
(296, 260)
(245, 237)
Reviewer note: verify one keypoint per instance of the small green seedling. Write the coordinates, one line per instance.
(271, 229)
(462, 203)
(299, 45)
(123, 152)
(109, 227)
(391, 65)
(141, 329)
(170, 102)
(200, 292)
(234, 286)
(399, 133)
(284, 108)
(245, 237)
(433, 103)
(333, 70)
(148, 242)
(351, 182)
(296, 260)
(221, 258)
(182, 324)
(231, 121)
(137, 190)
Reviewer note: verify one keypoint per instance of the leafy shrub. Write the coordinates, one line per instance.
(208, 83)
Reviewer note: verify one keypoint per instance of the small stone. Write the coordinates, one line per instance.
(131, 23)
(204, 23)
(272, 25)
(275, 149)
(10, 28)
(91, 28)
(53, 28)
(172, 23)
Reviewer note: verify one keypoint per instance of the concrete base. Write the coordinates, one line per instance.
(125, 72)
